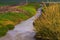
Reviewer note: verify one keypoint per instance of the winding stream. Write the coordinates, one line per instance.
(24, 30)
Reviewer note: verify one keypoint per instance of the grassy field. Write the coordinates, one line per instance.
(9, 19)
(15, 17)
(48, 24)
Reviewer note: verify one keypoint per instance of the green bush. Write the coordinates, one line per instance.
(3, 30)
(29, 9)
(10, 26)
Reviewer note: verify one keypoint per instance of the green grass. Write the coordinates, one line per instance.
(3, 30)
(30, 10)
(10, 18)
(14, 18)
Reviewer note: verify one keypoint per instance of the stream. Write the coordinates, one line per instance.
(24, 30)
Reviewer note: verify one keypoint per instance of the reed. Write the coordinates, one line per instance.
(49, 19)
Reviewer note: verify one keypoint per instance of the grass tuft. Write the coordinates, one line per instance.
(50, 19)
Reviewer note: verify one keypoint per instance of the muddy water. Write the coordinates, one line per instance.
(24, 30)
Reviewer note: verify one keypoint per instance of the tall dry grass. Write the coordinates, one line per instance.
(49, 20)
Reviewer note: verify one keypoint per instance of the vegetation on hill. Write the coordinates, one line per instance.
(48, 24)
(13, 16)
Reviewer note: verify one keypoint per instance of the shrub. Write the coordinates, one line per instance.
(50, 19)
(3, 30)
(46, 34)
(10, 26)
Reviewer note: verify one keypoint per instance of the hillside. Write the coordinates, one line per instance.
(11, 15)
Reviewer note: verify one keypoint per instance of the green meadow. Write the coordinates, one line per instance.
(9, 19)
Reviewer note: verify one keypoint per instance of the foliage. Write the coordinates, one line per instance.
(10, 19)
(13, 17)
(34, 5)
(46, 34)
(29, 9)
(10, 26)
(50, 19)
(3, 30)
